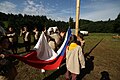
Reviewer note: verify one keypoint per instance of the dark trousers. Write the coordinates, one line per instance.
(35, 41)
(27, 45)
(13, 47)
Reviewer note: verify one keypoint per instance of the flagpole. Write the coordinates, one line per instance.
(77, 16)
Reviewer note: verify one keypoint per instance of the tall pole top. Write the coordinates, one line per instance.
(77, 16)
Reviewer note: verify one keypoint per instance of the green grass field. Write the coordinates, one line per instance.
(102, 56)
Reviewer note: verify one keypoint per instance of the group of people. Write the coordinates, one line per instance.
(25, 33)
(75, 60)
(9, 41)
(74, 52)
(54, 38)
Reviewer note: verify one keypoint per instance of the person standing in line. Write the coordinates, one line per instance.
(7, 68)
(36, 35)
(26, 38)
(81, 41)
(74, 59)
(13, 39)
(57, 38)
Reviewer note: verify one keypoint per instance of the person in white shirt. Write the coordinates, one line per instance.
(26, 38)
(13, 39)
(75, 60)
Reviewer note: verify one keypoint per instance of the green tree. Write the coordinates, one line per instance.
(117, 24)
(71, 23)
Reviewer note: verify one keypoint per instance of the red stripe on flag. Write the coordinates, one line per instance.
(31, 59)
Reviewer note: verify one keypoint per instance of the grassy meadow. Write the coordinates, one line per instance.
(102, 54)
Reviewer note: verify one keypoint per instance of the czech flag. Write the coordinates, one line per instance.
(43, 56)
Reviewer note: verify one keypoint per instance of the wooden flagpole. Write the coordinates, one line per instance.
(77, 16)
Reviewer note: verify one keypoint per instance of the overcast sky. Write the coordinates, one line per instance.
(94, 10)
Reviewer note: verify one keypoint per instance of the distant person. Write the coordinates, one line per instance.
(74, 59)
(57, 37)
(51, 31)
(2, 31)
(52, 43)
(57, 31)
(4, 45)
(81, 41)
(26, 38)
(53, 38)
(7, 68)
(36, 35)
(13, 39)
(62, 34)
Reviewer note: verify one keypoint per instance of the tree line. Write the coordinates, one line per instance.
(18, 21)
(110, 26)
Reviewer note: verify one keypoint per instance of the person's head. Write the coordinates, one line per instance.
(73, 39)
(57, 31)
(35, 28)
(81, 36)
(10, 28)
(62, 34)
(4, 42)
(25, 28)
(51, 31)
